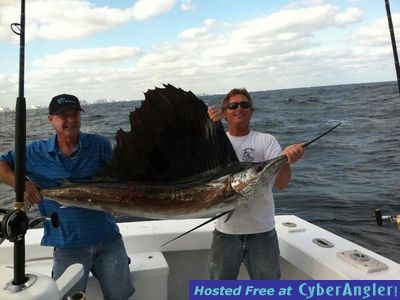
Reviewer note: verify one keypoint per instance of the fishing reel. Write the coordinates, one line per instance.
(15, 223)
(391, 219)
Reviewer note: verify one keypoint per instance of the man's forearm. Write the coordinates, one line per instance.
(283, 177)
(7, 175)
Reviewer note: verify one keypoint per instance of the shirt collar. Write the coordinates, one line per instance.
(52, 142)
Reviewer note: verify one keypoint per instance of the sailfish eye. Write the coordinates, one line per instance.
(259, 168)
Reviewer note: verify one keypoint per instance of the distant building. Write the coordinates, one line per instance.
(5, 109)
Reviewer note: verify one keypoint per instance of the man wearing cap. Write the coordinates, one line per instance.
(84, 236)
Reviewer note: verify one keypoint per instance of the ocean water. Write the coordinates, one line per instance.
(342, 177)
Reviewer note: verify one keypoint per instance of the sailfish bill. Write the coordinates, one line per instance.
(201, 197)
(173, 163)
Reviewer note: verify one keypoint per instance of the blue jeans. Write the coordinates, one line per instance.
(259, 253)
(107, 261)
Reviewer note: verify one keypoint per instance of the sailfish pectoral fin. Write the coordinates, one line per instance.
(229, 215)
(202, 224)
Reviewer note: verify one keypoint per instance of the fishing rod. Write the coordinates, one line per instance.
(321, 135)
(15, 223)
(232, 211)
(395, 56)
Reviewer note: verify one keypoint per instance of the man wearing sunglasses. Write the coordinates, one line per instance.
(249, 235)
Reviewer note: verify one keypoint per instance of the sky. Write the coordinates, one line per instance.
(120, 49)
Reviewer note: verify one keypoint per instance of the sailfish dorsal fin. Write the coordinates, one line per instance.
(171, 138)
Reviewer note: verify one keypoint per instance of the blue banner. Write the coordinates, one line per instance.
(294, 289)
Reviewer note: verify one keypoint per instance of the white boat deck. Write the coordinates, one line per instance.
(174, 264)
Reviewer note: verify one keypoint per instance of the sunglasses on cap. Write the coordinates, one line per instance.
(235, 105)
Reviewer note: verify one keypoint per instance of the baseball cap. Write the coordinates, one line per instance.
(62, 102)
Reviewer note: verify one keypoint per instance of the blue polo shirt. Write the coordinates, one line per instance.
(48, 167)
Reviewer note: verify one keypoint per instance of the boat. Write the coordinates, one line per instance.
(308, 252)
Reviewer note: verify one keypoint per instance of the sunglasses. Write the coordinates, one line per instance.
(235, 105)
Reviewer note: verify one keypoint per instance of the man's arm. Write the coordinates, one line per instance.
(294, 153)
(7, 176)
(283, 177)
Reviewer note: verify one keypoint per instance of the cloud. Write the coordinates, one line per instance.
(195, 33)
(261, 51)
(377, 34)
(218, 50)
(309, 19)
(351, 15)
(73, 19)
(284, 31)
(8, 86)
(144, 9)
(187, 5)
(294, 47)
(87, 57)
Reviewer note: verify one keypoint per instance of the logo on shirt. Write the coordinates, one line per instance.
(248, 154)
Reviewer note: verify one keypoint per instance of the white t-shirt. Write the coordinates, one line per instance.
(258, 214)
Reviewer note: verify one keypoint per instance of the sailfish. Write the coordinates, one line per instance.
(174, 163)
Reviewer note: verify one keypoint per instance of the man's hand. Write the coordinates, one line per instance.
(294, 152)
(214, 114)
(32, 194)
